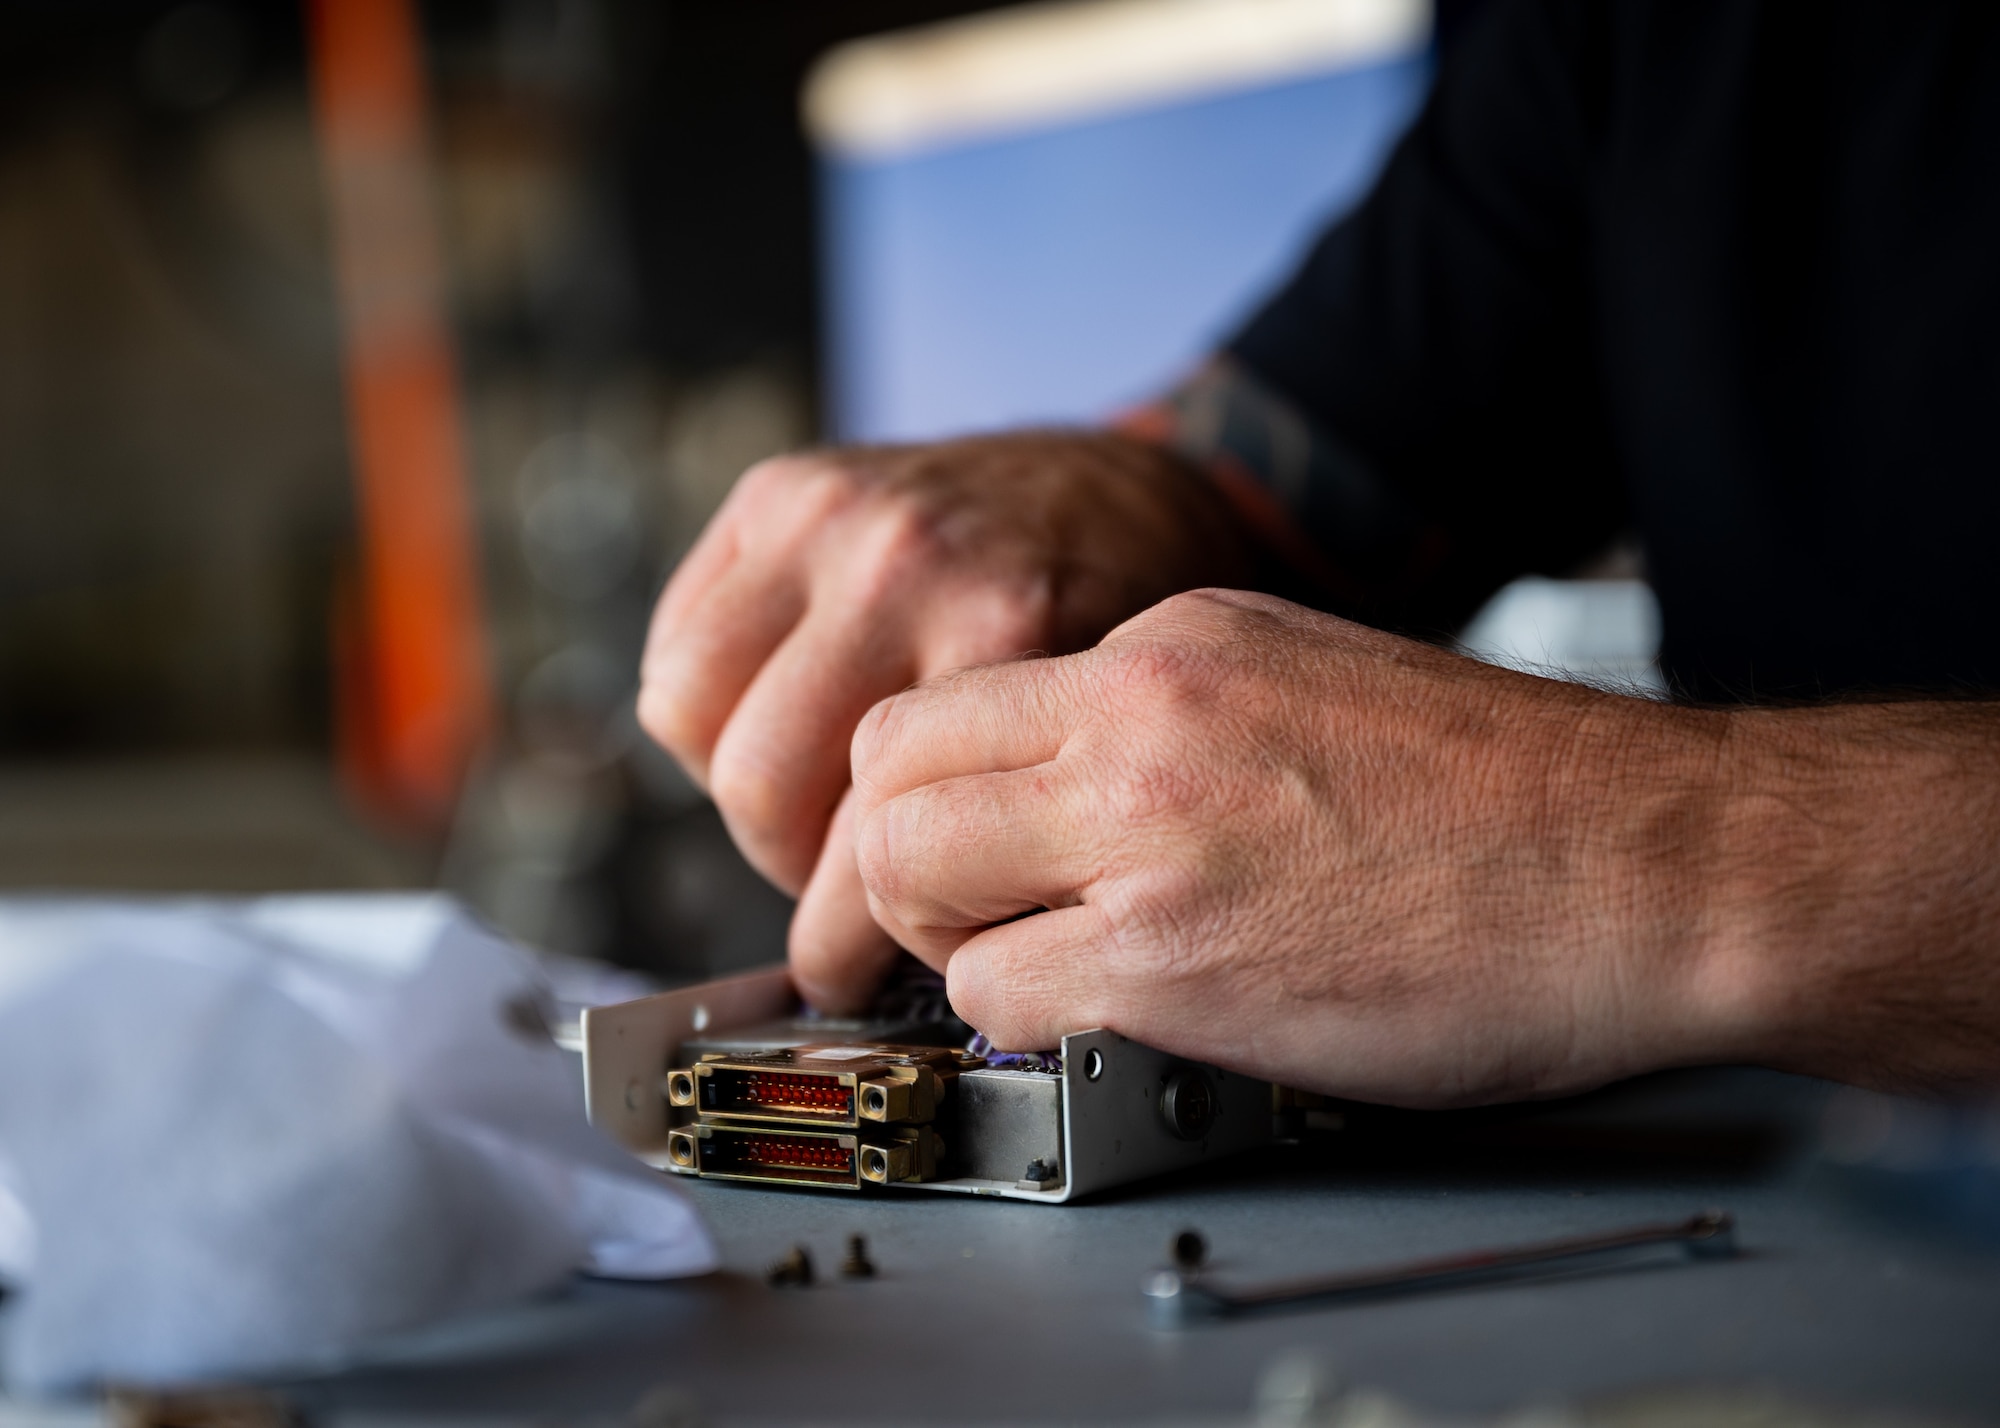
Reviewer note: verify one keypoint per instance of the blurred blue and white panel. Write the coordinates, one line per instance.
(1600, 632)
(1045, 213)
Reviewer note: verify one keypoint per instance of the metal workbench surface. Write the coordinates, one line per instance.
(991, 1312)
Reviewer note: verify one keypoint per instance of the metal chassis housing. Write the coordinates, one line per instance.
(1113, 1132)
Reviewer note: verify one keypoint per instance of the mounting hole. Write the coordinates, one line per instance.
(681, 1152)
(1093, 1064)
(874, 1164)
(698, 1019)
(873, 1100)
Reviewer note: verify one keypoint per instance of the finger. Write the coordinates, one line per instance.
(1028, 984)
(735, 596)
(950, 857)
(780, 764)
(771, 509)
(719, 548)
(699, 663)
(991, 719)
(838, 953)
(932, 946)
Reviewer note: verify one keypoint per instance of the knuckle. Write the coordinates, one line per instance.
(779, 473)
(1215, 605)
(1002, 619)
(664, 715)
(874, 737)
(1160, 923)
(1207, 618)
(749, 794)
(898, 548)
(1187, 605)
(1151, 670)
(931, 945)
(782, 500)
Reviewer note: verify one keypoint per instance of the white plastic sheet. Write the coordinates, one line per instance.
(254, 1137)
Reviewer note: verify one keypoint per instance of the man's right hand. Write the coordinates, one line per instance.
(830, 580)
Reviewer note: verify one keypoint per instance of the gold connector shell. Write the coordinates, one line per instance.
(780, 1155)
(821, 1086)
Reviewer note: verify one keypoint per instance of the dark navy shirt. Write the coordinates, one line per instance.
(1723, 271)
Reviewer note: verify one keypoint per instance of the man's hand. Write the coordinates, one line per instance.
(830, 580)
(1292, 846)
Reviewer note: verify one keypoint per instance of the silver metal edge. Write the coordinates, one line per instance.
(628, 1047)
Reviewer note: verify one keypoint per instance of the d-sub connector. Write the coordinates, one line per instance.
(791, 1157)
(843, 1086)
(911, 1153)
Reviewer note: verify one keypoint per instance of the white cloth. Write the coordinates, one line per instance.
(250, 1137)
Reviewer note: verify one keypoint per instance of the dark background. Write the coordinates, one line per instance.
(627, 205)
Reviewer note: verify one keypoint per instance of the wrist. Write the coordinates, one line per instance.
(1751, 869)
(1644, 794)
(1851, 912)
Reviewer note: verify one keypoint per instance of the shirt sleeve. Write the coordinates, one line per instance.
(1441, 335)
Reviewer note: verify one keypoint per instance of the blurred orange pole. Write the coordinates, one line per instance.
(415, 704)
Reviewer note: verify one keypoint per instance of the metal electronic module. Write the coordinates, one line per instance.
(730, 1081)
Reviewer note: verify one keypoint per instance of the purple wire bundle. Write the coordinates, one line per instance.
(1050, 1061)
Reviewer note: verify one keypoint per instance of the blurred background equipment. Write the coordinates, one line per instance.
(364, 370)
(410, 654)
(1930, 1167)
(620, 199)
(1045, 214)
(1603, 631)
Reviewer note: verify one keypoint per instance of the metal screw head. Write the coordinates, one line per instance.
(1190, 1251)
(1188, 1104)
(857, 1265)
(795, 1269)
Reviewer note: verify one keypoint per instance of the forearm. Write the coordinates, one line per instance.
(1852, 924)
